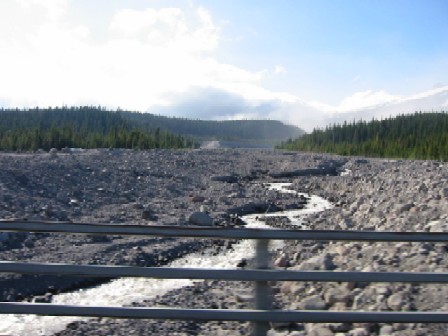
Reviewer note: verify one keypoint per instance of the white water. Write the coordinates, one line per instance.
(124, 291)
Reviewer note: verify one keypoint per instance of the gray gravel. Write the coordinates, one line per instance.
(166, 187)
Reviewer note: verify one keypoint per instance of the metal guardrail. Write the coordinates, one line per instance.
(224, 233)
(262, 314)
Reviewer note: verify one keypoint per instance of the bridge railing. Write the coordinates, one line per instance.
(262, 315)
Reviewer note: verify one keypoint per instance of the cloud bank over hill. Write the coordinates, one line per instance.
(212, 103)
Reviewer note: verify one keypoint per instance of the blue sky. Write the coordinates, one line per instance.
(288, 60)
(344, 45)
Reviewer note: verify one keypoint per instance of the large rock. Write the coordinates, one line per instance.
(225, 178)
(148, 214)
(320, 331)
(200, 218)
(4, 236)
(337, 294)
(314, 302)
(320, 262)
(396, 301)
(282, 261)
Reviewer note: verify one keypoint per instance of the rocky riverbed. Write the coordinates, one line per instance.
(203, 186)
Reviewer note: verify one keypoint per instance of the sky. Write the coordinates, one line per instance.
(297, 61)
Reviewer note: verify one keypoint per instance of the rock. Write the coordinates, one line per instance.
(4, 236)
(386, 330)
(320, 331)
(242, 263)
(362, 301)
(292, 288)
(396, 301)
(137, 206)
(405, 207)
(280, 325)
(382, 289)
(73, 202)
(338, 294)
(314, 302)
(282, 261)
(43, 298)
(53, 152)
(320, 262)
(339, 327)
(225, 178)
(346, 224)
(198, 199)
(148, 214)
(359, 332)
(200, 218)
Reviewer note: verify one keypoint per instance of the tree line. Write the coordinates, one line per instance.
(94, 125)
(80, 127)
(232, 130)
(415, 136)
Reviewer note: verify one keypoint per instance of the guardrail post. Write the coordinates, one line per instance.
(262, 290)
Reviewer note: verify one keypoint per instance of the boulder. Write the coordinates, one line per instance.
(200, 218)
(396, 301)
(225, 178)
(4, 236)
(148, 214)
(282, 261)
(320, 262)
(320, 331)
(198, 199)
(386, 330)
(314, 302)
(337, 294)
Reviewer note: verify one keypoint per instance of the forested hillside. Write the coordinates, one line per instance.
(263, 130)
(415, 136)
(85, 127)
(93, 127)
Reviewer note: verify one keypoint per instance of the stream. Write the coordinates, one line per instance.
(124, 291)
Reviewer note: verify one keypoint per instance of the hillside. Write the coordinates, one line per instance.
(415, 136)
(85, 127)
(91, 127)
(262, 130)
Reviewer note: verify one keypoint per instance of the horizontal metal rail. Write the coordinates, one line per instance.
(225, 233)
(261, 276)
(219, 274)
(224, 314)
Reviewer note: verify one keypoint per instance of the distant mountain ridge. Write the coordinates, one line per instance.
(434, 100)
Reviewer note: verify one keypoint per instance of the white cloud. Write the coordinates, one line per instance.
(365, 99)
(53, 9)
(147, 57)
(279, 70)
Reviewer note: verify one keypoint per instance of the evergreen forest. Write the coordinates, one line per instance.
(272, 131)
(413, 136)
(80, 127)
(96, 127)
